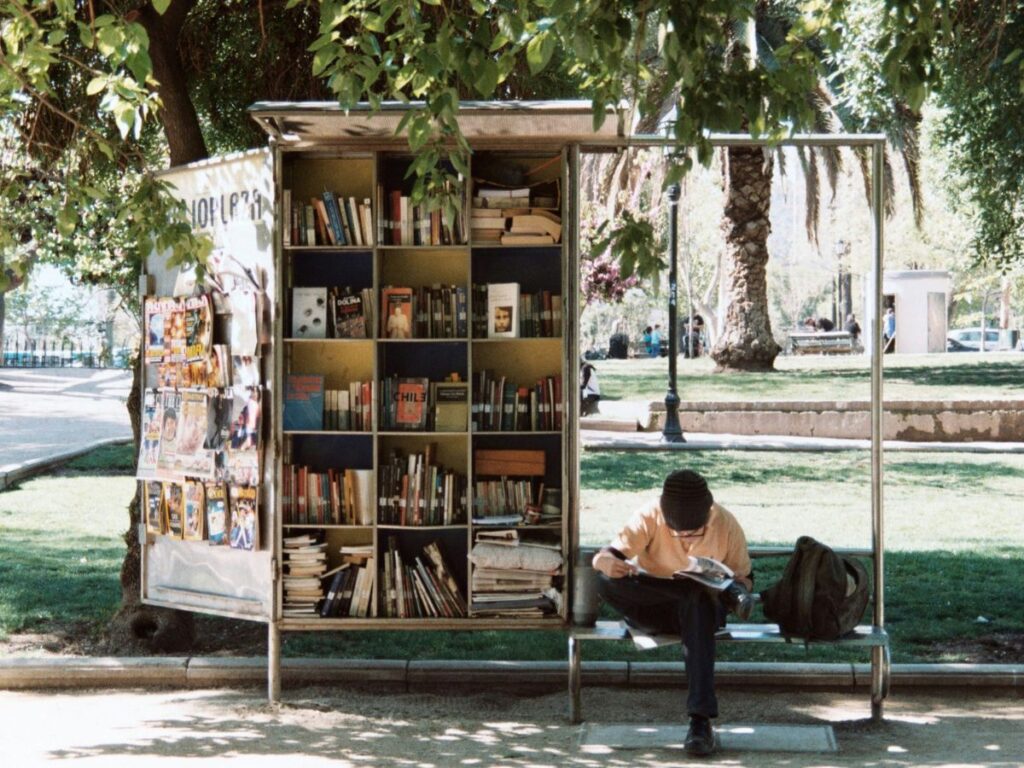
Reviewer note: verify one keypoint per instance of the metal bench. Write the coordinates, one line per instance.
(820, 343)
(863, 636)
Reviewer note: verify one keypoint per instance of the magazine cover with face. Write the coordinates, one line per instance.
(243, 455)
(154, 507)
(217, 525)
(174, 506)
(157, 312)
(195, 509)
(193, 426)
(244, 523)
(167, 456)
(174, 334)
(198, 328)
(149, 448)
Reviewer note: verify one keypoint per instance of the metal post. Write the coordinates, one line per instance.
(672, 431)
(273, 662)
(877, 539)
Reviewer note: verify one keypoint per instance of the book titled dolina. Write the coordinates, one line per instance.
(304, 402)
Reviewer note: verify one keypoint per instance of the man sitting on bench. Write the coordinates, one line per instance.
(658, 540)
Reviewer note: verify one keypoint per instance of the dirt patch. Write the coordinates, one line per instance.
(998, 648)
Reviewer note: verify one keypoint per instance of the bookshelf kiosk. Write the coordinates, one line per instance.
(417, 377)
(401, 406)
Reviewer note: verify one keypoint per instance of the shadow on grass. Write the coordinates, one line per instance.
(115, 459)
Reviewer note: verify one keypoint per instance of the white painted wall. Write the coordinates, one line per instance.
(911, 289)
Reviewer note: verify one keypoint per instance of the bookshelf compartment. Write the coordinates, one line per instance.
(404, 224)
(339, 364)
(408, 545)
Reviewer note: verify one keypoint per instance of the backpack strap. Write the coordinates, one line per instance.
(806, 585)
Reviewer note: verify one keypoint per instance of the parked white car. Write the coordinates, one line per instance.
(969, 340)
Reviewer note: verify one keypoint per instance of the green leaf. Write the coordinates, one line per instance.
(96, 85)
(539, 51)
(161, 6)
(67, 220)
(487, 78)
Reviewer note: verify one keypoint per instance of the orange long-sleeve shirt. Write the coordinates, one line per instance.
(649, 540)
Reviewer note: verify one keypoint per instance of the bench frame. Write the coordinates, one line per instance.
(863, 636)
(821, 342)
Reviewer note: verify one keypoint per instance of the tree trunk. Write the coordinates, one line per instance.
(746, 342)
(138, 626)
(178, 115)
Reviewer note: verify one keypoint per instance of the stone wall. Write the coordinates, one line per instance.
(945, 420)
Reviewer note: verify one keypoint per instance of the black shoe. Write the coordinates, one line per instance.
(700, 739)
(739, 600)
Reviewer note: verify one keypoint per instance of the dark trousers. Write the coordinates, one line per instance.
(660, 606)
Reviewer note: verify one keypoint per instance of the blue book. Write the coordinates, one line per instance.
(331, 204)
(304, 402)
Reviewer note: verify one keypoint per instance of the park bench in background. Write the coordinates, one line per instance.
(821, 343)
(863, 636)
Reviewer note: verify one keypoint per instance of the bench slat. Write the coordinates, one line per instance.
(863, 635)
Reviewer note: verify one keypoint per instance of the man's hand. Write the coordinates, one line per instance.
(611, 566)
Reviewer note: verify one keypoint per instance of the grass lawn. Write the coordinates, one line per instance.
(964, 376)
(952, 529)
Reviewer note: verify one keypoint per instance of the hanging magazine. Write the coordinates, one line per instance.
(217, 525)
(243, 458)
(149, 447)
(195, 508)
(244, 522)
(198, 328)
(193, 458)
(167, 457)
(157, 312)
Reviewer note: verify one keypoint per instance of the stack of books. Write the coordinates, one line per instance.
(502, 405)
(305, 561)
(513, 577)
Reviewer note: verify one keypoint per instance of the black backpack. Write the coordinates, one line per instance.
(810, 601)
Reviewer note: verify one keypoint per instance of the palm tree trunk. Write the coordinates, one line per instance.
(746, 342)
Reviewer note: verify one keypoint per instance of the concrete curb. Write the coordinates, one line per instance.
(15, 473)
(390, 675)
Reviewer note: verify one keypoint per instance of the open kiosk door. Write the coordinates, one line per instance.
(226, 567)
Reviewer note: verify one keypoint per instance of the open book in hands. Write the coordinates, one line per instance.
(708, 571)
(704, 570)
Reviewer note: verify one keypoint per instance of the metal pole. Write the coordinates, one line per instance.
(673, 431)
(878, 660)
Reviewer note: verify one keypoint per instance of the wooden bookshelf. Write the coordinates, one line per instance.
(461, 263)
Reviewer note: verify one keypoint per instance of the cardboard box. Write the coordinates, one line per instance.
(509, 463)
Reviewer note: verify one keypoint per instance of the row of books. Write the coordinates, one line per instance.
(334, 497)
(198, 511)
(515, 226)
(308, 407)
(305, 561)
(329, 219)
(414, 490)
(339, 312)
(534, 315)
(422, 588)
(429, 312)
(352, 591)
(502, 405)
(406, 224)
(418, 404)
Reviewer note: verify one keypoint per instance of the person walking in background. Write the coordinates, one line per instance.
(889, 330)
(647, 340)
(590, 390)
(656, 341)
(852, 327)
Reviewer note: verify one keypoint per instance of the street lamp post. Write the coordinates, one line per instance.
(672, 432)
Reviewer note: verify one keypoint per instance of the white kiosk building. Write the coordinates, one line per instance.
(920, 298)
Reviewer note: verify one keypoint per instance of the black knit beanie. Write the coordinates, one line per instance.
(685, 500)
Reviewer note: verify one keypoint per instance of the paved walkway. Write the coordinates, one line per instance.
(352, 726)
(50, 411)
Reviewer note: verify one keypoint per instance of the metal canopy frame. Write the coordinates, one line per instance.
(875, 142)
(325, 125)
